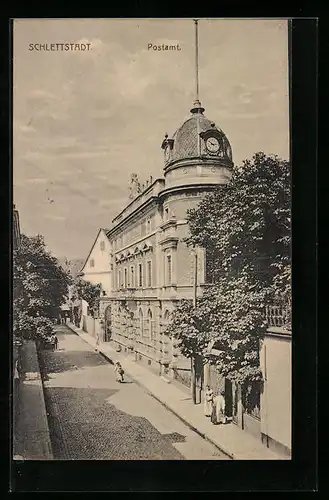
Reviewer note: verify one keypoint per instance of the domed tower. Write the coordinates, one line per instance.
(199, 153)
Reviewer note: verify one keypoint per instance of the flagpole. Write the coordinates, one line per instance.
(196, 61)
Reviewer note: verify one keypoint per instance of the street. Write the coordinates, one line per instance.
(93, 417)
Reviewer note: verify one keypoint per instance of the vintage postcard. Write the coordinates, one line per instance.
(151, 239)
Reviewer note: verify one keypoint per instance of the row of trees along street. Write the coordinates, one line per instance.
(244, 227)
(40, 286)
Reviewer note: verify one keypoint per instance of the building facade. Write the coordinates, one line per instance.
(16, 242)
(151, 267)
(97, 267)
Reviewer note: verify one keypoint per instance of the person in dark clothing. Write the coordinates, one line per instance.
(119, 372)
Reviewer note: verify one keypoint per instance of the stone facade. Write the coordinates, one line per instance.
(151, 266)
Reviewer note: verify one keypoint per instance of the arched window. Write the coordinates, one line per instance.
(141, 323)
(150, 324)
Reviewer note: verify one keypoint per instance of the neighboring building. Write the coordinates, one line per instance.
(16, 229)
(72, 266)
(16, 235)
(97, 267)
(150, 267)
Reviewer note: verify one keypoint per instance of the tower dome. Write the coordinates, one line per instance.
(188, 140)
(198, 152)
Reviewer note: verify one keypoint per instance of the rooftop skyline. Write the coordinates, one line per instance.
(85, 120)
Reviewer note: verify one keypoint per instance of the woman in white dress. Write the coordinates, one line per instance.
(218, 413)
(208, 401)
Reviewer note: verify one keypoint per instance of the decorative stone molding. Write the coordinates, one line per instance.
(169, 242)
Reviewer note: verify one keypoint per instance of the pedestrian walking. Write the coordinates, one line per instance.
(119, 372)
(56, 342)
(208, 401)
(218, 410)
(97, 342)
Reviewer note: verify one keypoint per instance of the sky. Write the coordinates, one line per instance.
(85, 120)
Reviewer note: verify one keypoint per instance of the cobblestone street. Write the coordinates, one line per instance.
(91, 416)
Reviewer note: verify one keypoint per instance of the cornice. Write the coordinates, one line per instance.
(197, 160)
(153, 199)
(187, 187)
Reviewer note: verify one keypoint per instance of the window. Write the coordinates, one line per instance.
(119, 279)
(140, 275)
(166, 213)
(125, 278)
(132, 276)
(210, 267)
(92, 263)
(149, 273)
(150, 325)
(102, 246)
(143, 228)
(169, 269)
(148, 226)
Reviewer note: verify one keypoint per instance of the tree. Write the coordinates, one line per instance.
(187, 326)
(42, 283)
(88, 292)
(236, 325)
(244, 227)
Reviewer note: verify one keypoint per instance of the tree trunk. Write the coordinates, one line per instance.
(193, 380)
(196, 378)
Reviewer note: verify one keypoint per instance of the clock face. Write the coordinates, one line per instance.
(212, 144)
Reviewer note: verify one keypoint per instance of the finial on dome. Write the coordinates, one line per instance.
(197, 107)
(166, 135)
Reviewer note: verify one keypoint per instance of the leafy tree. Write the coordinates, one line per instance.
(89, 292)
(236, 325)
(244, 227)
(40, 286)
(187, 325)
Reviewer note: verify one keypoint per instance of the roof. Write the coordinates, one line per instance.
(186, 138)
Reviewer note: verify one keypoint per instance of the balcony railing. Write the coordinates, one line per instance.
(278, 316)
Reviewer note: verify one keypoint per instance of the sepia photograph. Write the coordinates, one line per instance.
(151, 306)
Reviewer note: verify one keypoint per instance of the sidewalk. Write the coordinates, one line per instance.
(31, 432)
(229, 438)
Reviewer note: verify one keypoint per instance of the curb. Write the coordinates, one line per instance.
(41, 381)
(168, 407)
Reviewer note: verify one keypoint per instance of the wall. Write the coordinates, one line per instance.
(275, 405)
(91, 325)
(31, 430)
(103, 278)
